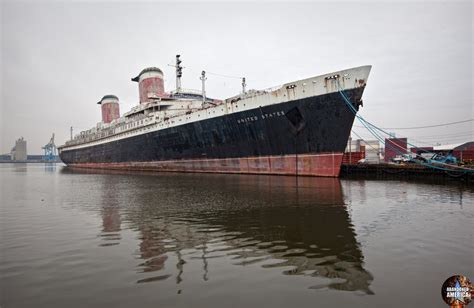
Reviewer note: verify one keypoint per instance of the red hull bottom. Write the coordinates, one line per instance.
(325, 164)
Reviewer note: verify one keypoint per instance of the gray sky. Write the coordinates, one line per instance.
(58, 59)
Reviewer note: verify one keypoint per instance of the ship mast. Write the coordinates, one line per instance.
(203, 79)
(179, 73)
(243, 85)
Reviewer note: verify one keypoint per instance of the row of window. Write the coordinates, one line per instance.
(134, 124)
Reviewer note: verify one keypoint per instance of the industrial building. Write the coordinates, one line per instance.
(18, 152)
(464, 152)
(358, 149)
(395, 147)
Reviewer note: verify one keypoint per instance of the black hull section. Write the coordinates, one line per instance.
(320, 124)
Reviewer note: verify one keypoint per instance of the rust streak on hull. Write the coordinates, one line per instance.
(321, 164)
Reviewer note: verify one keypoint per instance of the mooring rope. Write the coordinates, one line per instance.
(372, 129)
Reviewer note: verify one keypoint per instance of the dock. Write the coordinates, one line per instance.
(385, 170)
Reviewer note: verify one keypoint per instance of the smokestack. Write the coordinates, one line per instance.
(150, 84)
(110, 108)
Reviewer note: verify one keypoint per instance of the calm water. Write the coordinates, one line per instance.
(84, 239)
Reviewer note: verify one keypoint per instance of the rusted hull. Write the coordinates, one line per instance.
(321, 164)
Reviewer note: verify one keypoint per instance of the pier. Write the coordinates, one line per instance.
(385, 170)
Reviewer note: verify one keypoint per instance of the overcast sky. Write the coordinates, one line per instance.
(58, 59)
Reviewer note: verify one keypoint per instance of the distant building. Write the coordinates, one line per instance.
(465, 152)
(462, 151)
(370, 148)
(451, 147)
(18, 152)
(5, 157)
(421, 150)
(394, 147)
(468, 146)
(353, 145)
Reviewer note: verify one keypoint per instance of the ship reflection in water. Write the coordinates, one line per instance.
(186, 221)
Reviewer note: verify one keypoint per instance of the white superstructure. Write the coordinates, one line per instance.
(185, 107)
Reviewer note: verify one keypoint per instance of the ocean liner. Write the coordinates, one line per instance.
(299, 128)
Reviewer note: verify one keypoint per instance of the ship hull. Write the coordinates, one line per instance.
(304, 137)
(323, 164)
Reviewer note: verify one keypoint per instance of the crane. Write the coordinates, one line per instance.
(50, 150)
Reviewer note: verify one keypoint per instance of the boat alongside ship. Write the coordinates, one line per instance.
(299, 128)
